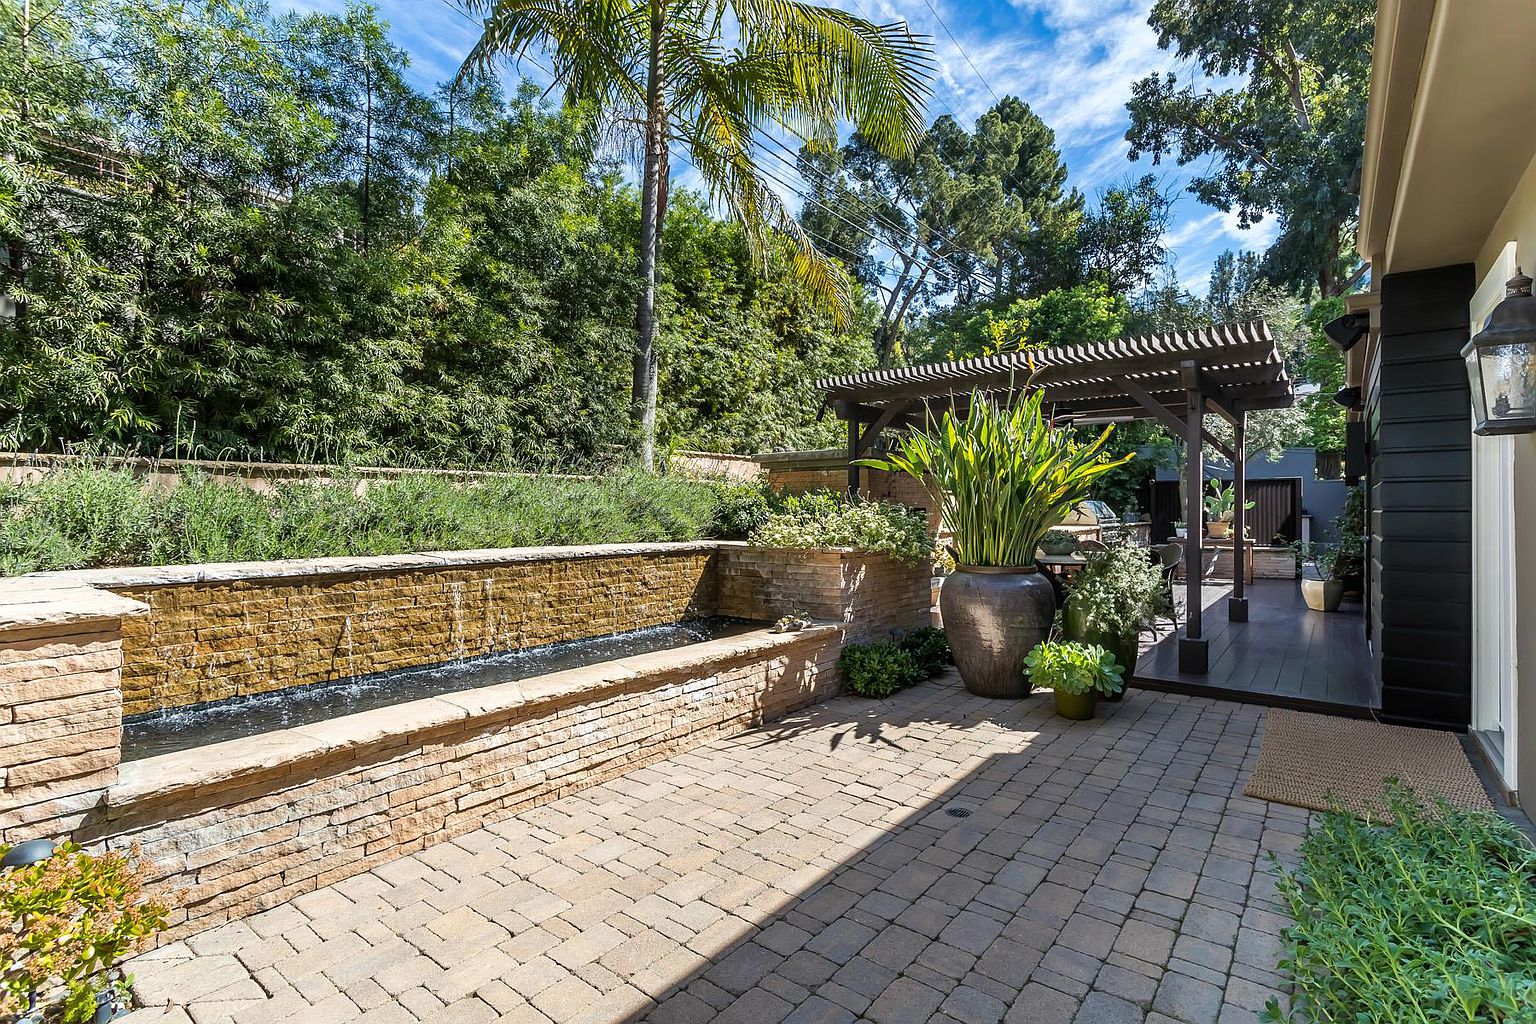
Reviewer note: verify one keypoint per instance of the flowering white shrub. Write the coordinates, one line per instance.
(824, 519)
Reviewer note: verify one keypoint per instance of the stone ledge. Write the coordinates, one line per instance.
(347, 565)
(192, 772)
(32, 603)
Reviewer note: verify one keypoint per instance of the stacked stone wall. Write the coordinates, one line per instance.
(239, 826)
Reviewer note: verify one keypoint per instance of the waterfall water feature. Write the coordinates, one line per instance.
(161, 732)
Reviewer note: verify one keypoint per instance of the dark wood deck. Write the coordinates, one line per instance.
(1286, 655)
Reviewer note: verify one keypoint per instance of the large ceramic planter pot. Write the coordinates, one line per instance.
(994, 616)
(1218, 529)
(1077, 706)
(1074, 625)
(1322, 595)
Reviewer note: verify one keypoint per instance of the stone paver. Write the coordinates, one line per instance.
(808, 871)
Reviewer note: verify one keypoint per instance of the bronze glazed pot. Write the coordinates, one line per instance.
(994, 616)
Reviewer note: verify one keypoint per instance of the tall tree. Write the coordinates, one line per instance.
(1120, 244)
(667, 68)
(1282, 129)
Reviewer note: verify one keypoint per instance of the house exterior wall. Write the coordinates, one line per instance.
(1517, 223)
(1421, 499)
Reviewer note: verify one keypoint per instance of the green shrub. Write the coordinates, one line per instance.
(826, 519)
(929, 648)
(83, 517)
(65, 923)
(878, 670)
(1120, 591)
(1070, 667)
(1431, 919)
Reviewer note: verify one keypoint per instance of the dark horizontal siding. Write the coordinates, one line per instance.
(1421, 501)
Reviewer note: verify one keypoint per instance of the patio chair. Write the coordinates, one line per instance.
(1090, 546)
(1169, 556)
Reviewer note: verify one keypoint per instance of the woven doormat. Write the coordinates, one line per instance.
(1318, 761)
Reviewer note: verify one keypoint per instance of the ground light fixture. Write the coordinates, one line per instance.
(33, 851)
(1501, 363)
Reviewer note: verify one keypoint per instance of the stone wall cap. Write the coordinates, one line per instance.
(30, 602)
(352, 565)
(185, 771)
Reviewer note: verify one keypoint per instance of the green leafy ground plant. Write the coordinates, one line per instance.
(1428, 921)
(1074, 668)
(1001, 474)
(65, 923)
(929, 648)
(878, 670)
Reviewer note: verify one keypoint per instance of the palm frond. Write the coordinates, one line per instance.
(593, 45)
(837, 66)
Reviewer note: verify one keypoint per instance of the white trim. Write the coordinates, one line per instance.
(1494, 659)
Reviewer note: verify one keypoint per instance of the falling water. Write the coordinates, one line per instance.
(161, 732)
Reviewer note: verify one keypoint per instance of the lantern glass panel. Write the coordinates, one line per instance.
(1508, 381)
(1475, 378)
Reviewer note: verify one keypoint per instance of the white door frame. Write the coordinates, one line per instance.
(1494, 663)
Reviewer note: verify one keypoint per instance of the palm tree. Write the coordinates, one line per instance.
(666, 70)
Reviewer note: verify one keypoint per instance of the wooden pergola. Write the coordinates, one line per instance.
(1176, 379)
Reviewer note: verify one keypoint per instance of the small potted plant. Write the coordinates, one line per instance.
(1179, 529)
(1219, 506)
(1058, 542)
(1076, 673)
(1321, 586)
(66, 922)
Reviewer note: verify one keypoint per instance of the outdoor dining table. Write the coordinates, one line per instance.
(1062, 565)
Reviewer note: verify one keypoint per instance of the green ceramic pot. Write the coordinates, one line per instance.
(1074, 625)
(1077, 706)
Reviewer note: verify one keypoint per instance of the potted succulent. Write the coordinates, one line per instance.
(1058, 542)
(1321, 586)
(66, 921)
(1004, 478)
(1116, 596)
(1076, 673)
(1219, 506)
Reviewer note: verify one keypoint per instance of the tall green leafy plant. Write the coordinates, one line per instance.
(1002, 475)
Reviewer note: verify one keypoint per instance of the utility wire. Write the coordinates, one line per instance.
(974, 68)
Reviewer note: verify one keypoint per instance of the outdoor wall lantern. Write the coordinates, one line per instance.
(1501, 363)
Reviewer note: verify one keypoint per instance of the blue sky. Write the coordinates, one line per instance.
(1073, 61)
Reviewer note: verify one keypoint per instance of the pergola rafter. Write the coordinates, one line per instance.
(1177, 378)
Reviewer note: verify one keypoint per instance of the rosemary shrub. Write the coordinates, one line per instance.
(1430, 920)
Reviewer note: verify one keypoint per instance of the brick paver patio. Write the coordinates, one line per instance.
(820, 869)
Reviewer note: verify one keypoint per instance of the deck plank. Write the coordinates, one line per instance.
(1285, 656)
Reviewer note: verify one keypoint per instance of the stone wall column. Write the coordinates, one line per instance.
(61, 717)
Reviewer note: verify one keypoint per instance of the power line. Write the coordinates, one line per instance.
(878, 217)
(982, 78)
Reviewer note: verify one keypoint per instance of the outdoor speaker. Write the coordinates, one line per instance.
(1356, 461)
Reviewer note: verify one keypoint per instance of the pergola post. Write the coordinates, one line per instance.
(1194, 648)
(853, 453)
(1237, 604)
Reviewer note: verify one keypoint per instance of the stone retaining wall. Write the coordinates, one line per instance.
(247, 628)
(246, 825)
(234, 827)
(61, 719)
